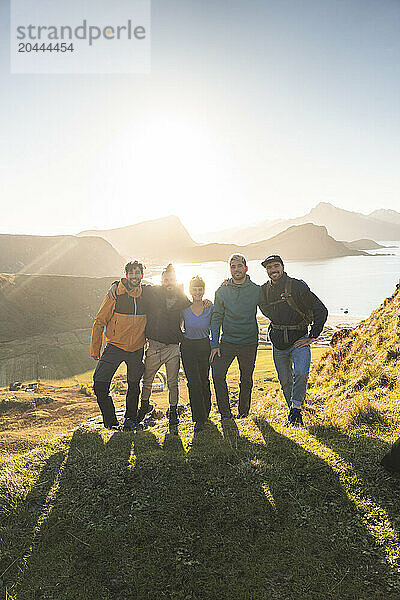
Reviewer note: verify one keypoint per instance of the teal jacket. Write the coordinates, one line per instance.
(235, 308)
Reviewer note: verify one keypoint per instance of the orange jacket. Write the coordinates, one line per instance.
(124, 321)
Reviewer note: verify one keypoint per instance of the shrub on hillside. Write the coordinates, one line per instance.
(362, 411)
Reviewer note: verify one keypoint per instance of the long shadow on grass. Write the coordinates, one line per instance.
(364, 452)
(232, 518)
(338, 497)
(72, 539)
(19, 518)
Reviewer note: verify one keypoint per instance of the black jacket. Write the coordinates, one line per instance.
(284, 314)
(164, 314)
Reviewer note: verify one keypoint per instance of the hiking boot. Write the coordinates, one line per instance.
(144, 410)
(227, 418)
(131, 425)
(294, 417)
(173, 416)
(198, 426)
(173, 420)
(115, 427)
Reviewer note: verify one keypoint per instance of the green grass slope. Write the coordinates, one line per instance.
(45, 325)
(45, 304)
(358, 381)
(51, 356)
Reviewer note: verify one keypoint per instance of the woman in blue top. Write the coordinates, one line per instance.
(195, 352)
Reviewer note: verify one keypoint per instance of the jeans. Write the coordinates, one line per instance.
(246, 356)
(293, 366)
(109, 362)
(195, 358)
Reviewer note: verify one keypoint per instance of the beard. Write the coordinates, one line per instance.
(132, 284)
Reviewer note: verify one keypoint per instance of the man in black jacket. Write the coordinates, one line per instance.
(292, 308)
(164, 335)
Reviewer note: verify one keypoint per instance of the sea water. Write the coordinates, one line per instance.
(357, 284)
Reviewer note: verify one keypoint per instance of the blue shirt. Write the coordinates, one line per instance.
(197, 328)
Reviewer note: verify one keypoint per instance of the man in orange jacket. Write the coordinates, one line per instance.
(124, 322)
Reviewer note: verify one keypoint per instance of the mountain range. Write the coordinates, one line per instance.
(163, 240)
(340, 224)
(101, 253)
(299, 242)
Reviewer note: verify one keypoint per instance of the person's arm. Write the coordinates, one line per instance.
(112, 290)
(103, 316)
(262, 303)
(320, 314)
(217, 318)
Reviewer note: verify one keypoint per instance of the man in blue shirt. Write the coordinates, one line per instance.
(235, 309)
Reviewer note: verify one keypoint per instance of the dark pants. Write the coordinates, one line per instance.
(195, 359)
(246, 356)
(109, 362)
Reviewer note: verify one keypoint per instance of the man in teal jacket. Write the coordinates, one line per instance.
(235, 309)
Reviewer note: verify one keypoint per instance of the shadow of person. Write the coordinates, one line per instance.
(173, 444)
(259, 518)
(230, 432)
(20, 516)
(81, 511)
(333, 487)
(365, 452)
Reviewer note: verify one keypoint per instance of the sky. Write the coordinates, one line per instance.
(252, 111)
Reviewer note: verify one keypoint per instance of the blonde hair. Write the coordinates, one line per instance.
(197, 281)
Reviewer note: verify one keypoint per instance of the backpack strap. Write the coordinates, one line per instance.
(287, 297)
(307, 316)
(267, 294)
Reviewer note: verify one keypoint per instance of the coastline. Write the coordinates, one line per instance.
(341, 320)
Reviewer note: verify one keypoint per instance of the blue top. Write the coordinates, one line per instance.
(197, 328)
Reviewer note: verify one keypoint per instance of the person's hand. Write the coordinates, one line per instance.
(214, 351)
(304, 342)
(207, 303)
(112, 291)
(225, 282)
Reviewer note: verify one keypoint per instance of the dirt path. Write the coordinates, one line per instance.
(25, 426)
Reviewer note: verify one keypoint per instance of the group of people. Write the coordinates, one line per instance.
(135, 316)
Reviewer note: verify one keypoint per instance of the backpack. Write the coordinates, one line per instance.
(287, 297)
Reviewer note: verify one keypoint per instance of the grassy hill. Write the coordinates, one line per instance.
(45, 325)
(358, 381)
(241, 510)
(46, 304)
(58, 254)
